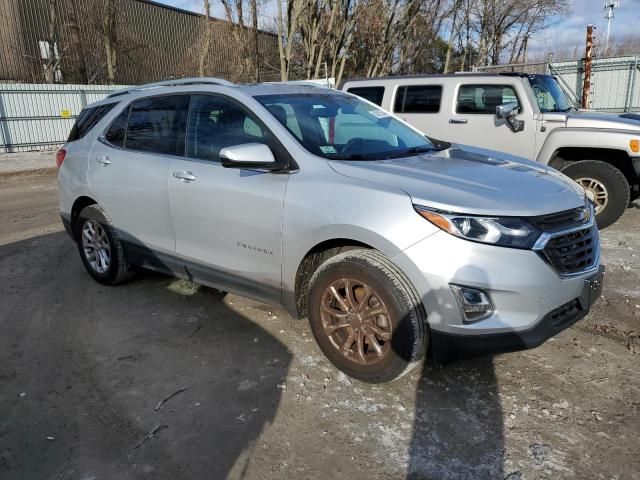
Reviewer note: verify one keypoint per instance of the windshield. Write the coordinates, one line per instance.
(341, 127)
(549, 95)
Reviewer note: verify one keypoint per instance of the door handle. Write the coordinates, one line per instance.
(185, 176)
(458, 120)
(104, 161)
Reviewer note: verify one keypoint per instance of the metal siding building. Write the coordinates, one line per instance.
(154, 42)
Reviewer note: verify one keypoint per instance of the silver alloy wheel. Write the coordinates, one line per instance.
(596, 192)
(95, 245)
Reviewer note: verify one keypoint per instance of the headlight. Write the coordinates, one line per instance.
(504, 231)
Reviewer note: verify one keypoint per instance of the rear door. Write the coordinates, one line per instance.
(228, 221)
(473, 120)
(129, 168)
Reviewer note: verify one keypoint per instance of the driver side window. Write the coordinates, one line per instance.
(215, 123)
(483, 99)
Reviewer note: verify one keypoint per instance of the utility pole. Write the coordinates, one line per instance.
(586, 86)
(609, 7)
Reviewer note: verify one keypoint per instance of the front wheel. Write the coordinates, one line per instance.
(606, 187)
(366, 317)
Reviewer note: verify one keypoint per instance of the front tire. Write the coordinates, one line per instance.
(605, 185)
(366, 316)
(100, 247)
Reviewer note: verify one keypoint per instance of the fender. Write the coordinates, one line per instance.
(613, 139)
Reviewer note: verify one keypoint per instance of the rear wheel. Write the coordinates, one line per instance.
(606, 187)
(100, 248)
(366, 316)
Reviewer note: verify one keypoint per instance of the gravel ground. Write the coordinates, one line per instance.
(161, 379)
(14, 163)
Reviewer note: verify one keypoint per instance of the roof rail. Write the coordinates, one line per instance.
(172, 83)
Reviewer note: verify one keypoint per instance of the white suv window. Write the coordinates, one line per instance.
(483, 99)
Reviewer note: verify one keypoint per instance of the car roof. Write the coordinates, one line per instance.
(185, 86)
(441, 75)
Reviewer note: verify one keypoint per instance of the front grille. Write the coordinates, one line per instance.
(560, 221)
(573, 252)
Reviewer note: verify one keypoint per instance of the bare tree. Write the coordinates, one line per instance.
(287, 28)
(110, 39)
(205, 40)
(245, 37)
(52, 54)
(78, 46)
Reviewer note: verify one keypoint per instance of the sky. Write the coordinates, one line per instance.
(566, 34)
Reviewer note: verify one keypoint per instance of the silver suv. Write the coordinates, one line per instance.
(392, 244)
(525, 115)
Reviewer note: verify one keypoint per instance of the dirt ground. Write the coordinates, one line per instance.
(84, 370)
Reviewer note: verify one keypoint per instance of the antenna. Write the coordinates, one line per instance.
(609, 7)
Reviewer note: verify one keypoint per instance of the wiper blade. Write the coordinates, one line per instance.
(412, 151)
(353, 156)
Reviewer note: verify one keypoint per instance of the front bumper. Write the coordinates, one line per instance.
(446, 347)
(527, 294)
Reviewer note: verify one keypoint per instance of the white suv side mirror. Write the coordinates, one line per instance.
(508, 112)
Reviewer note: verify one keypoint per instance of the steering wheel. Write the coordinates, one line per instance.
(352, 144)
(542, 95)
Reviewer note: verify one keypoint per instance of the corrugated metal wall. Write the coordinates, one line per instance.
(154, 42)
(615, 82)
(36, 116)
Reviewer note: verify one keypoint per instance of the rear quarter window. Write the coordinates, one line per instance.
(88, 118)
(118, 129)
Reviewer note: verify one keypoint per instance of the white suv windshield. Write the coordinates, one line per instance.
(549, 95)
(342, 127)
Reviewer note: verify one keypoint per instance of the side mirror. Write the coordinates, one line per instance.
(249, 155)
(508, 112)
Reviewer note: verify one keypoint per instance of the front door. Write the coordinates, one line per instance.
(228, 221)
(474, 122)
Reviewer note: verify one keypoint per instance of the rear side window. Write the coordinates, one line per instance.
(88, 119)
(418, 99)
(158, 125)
(483, 99)
(373, 94)
(118, 129)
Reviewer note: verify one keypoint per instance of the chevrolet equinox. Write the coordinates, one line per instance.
(394, 245)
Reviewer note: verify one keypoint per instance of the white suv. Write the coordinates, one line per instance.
(391, 244)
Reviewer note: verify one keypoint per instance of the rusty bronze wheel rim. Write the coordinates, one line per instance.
(356, 321)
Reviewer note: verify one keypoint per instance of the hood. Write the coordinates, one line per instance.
(465, 179)
(589, 119)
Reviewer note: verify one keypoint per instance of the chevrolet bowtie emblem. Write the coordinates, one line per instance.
(585, 215)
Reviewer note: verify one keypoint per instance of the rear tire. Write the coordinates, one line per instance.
(606, 186)
(100, 247)
(377, 332)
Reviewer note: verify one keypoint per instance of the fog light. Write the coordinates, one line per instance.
(474, 304)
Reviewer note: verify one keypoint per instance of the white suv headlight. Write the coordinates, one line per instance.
(503, 231)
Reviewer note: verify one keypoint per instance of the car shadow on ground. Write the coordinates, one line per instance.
(151, 379)
(458, 427)
(458, 420)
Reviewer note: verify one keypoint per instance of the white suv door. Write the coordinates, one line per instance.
(473, 120)
(228, 221)
(128, 170)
